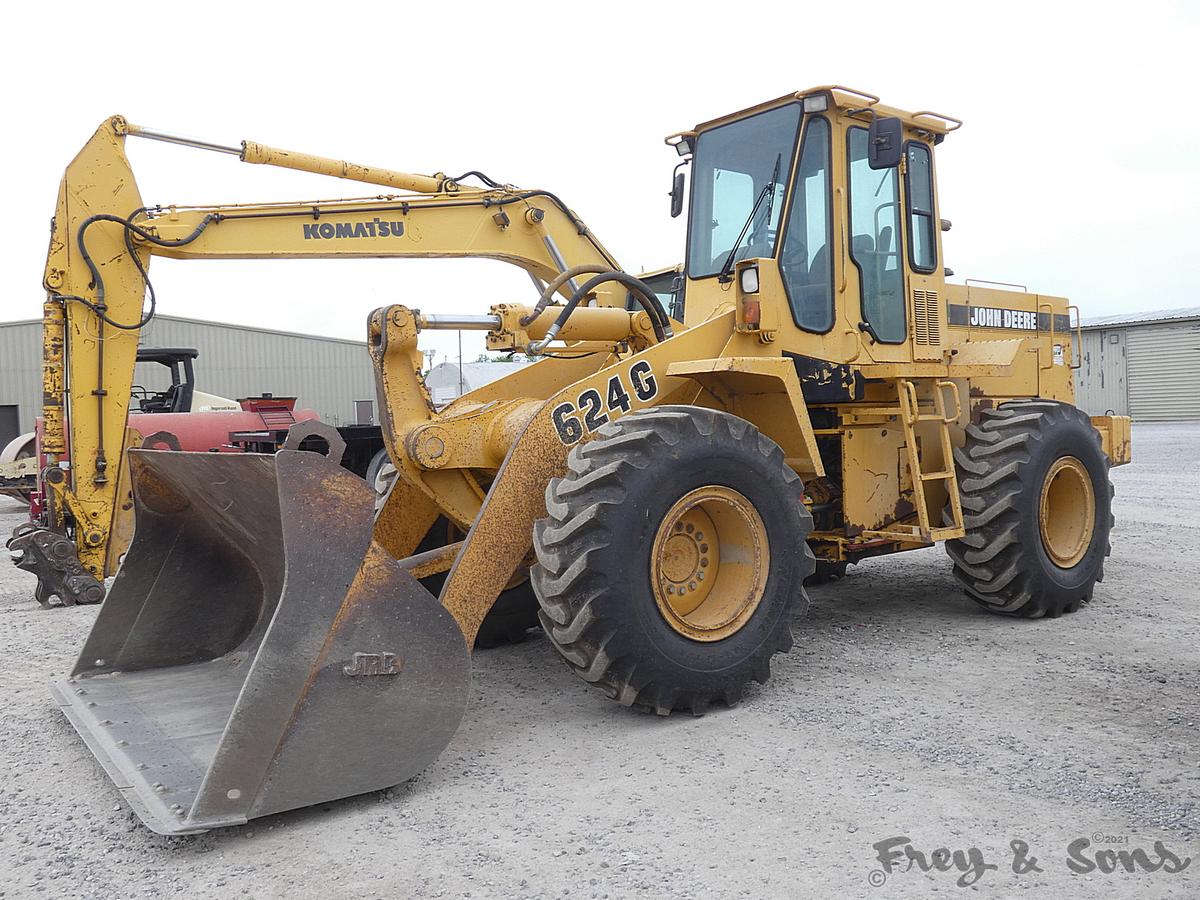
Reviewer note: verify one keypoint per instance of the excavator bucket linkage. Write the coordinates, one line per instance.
(258, 652)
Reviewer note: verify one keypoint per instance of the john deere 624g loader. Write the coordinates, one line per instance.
(813, 393)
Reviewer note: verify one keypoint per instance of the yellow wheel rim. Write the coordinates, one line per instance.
(709, 563)
(1067, 513)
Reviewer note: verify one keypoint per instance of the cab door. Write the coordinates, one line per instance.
(875, 249)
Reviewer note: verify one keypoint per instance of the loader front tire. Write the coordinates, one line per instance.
(1037, 502)
(673, 558)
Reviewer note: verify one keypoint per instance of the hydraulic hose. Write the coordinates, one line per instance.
(640, 291)
(99, 307)
(559, 281)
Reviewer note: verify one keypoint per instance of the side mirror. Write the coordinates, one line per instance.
(677, 195)
(885, 142)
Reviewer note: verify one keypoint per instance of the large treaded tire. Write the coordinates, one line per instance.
(592, 575)
(1002, 560)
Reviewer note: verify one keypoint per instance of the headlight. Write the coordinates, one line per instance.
(749, 280)
(816, 103)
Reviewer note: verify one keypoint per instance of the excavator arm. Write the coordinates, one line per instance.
(97, 278)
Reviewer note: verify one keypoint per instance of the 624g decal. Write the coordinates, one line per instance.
(591, 410)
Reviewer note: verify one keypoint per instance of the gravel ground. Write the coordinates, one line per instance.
(903, 711)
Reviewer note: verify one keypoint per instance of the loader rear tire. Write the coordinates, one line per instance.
(1037, 502)
(603, 570)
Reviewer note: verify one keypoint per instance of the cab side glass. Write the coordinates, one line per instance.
(921, 224)
(805, 259)
(875, 240)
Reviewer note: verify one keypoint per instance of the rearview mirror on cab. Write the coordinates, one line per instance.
(677, 195)
(885, 142)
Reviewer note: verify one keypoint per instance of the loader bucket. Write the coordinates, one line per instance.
(258, 652)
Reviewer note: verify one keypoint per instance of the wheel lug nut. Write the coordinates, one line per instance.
(704, 562)
(699, 535)
(690, 527)
(692, 586)
(704, 548)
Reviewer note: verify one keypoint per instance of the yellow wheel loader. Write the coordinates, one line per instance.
(807, 390)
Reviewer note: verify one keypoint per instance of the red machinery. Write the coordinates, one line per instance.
(182, 418)
(177, 418)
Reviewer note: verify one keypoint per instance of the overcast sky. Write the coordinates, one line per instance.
(1077, 172)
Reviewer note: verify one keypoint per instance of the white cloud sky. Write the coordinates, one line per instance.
(1077, 173)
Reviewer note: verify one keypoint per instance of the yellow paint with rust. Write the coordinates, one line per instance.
(483, 462)
(86, 361)
(1115, 438)
(763, 390)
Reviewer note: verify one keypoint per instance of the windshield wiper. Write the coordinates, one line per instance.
(768, 190)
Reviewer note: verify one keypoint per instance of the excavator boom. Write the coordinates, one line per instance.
(97, 276)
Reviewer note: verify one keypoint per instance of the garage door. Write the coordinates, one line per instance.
(1164, 372)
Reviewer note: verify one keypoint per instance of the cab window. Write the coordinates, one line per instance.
(739, 175)
(875, 241)
(805, 259)
(918, 189)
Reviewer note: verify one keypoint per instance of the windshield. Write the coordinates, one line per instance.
(732, 167)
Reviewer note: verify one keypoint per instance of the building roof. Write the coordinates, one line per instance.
(1142, 318)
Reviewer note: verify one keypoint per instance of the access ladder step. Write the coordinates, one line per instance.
(934, 476)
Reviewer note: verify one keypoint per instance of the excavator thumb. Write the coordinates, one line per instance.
(258, 652)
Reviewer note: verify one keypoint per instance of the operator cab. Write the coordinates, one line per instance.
(821, 206)
(177, 397)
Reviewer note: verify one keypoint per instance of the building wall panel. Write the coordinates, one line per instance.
(21, 370)
(1164, 372)
(325, 374)
(1100, 382)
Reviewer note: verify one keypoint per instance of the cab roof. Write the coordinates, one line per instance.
(936, 125)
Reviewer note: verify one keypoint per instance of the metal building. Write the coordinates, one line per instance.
(326, 374)
(1144, 365)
